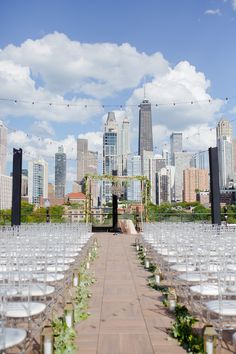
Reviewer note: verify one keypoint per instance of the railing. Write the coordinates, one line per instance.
(105, 219)
(182, 217)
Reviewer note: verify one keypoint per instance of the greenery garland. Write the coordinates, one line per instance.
(182, 328)
(64, 336)
(83, 294)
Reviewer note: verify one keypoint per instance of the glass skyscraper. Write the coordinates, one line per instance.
(110, 145)
(38, 181)
(176, 145)
(60, 173)
(225, 152)
(110, 151)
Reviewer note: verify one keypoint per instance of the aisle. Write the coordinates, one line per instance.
(126, 315)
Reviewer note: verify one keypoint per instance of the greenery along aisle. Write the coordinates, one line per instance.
(63, 331)
(182, 328)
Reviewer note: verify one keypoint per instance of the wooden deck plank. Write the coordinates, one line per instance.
(127, 317)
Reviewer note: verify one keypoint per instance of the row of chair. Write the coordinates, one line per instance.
(36, 266)
(199, 261)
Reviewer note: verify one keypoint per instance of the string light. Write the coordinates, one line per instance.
(115, 105)
(121, 106)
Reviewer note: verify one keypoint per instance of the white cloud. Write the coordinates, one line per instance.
(234, 4)
(199, 138)
(195, 138)
(35, 147)
(174, 92)
(213, 12)
(56, 69)
(42, 128)
(161, 136)
(16, 83)
(97, 70)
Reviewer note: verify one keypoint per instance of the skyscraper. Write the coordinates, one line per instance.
(164, 184)
(134, 187)
(87, 164)
(92, 164)
(110, 144)
(82, 161)
(110, 151)
(234, 158)
(166, 156)
(155, 165)
(200, 160)
(145, 141)
(181, 162)
(224, 128)
(5, 192)
(194, 179)
(176, 145)
(60, 173)
(38, 181)
(124, 146)
(225, 152)
(92, 169)
(3, 148)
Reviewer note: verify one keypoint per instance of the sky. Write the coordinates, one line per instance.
(64, 64)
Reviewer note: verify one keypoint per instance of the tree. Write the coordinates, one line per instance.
(26, 211)
(201, 213)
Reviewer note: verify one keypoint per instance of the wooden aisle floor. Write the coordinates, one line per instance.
(127, 316)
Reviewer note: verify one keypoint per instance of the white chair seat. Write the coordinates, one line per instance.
(212, 268)
(12, 337)
(48, 278)
(205, 289)
(171, 259)
(15, 275)
(166, 252)
(8, 292)
(193, 277)
(60, 268)
(182, 268)
(37, 290)
(231, 289)
(71, 254)
(24, 309)
(227, 308)
(231, 267)
(65, 260)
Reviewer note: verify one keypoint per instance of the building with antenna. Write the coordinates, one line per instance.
(145, 141)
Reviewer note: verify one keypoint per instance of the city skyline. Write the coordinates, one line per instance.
(167, 175)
